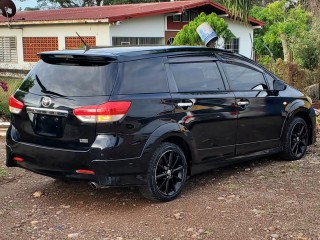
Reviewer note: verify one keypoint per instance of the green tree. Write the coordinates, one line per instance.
(309, 50)
(285, 25)
(189, 36)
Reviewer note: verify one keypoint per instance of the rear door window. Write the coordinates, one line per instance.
(71, 79)
(197, 76)
(142, 76)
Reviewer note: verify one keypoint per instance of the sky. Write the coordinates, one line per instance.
(25, 3)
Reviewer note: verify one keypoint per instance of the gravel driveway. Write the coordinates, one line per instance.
(264, 199)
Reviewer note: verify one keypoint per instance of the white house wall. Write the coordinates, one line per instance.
(242, 32)
(100, 31)
(153, 26)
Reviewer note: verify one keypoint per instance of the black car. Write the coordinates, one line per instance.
(151, 116)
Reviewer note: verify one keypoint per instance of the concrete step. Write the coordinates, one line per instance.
(3, 128)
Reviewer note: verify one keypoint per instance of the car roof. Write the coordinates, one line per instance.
(125, 51)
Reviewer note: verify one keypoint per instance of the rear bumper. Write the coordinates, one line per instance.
(61, 163)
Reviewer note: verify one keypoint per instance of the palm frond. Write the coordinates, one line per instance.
(239, 9)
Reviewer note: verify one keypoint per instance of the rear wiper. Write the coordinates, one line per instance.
(44, 89)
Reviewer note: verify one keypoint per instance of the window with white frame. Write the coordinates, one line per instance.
(176, 18)
(118, 41)
(8, 50)
(232, 45)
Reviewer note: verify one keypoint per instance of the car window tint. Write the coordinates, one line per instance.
(243, 78)
(192, 77)
(143, 76)
(71, 79)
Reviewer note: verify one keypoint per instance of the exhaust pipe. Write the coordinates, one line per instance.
(94, 185)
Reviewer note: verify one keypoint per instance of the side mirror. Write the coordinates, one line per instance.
(279, 85)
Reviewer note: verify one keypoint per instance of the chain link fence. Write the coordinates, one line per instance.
(8, 85)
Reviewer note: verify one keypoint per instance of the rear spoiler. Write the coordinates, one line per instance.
(76, 59)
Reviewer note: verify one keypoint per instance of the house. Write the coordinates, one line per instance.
(28, 33)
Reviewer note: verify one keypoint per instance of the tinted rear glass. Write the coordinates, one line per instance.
(70, 80)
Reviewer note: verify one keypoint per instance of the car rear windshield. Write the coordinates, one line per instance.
(70, 79)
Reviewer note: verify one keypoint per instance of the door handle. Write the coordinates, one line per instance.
(184, 104)
(243, 103)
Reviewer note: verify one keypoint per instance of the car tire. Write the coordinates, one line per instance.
(295, 139)
(167, 173)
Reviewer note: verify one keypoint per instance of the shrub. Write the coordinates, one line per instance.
(8, 86)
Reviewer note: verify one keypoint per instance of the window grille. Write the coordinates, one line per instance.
(232, 45)
(8, 50)
(118, 41)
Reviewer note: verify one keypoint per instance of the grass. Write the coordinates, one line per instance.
(13, 84)
(3, 172)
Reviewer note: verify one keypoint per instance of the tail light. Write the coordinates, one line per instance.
(84, 171)
(106, 112)
(18, 159)
(15, 106)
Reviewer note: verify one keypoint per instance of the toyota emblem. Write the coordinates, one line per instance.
(46, 101)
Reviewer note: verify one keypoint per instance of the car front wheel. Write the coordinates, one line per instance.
(167, 173)
(295, 139)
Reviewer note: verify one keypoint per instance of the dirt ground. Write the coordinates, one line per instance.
(264, 199)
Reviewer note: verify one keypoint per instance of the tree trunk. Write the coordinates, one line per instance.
(284, 47)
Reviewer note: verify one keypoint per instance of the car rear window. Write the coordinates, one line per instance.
(70, 79)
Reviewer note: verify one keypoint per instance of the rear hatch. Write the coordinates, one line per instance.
(43, 107)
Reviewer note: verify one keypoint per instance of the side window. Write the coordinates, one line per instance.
(200, 76)
(244, 78)
(143, 76)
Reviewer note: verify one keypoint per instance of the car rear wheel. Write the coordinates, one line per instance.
(295, 140)
(167, 173)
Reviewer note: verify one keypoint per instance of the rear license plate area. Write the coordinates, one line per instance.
(50, 126)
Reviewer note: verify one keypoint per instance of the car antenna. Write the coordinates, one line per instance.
(86, 46)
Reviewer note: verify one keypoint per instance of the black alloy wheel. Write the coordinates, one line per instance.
(296, 139)
(167, 173)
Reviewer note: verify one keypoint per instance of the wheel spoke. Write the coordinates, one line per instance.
(303, 143)
(295, 146)
(297, 149)
(167, 186)
(173, 185)
(304, 135)
(177, 169)
(178, 179)
(170, 158)
(162, 184)
(161, 175)
(176, 161)
(301, 130)
(165, 160)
